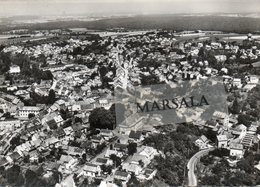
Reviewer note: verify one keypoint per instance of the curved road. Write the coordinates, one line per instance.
(192, 180)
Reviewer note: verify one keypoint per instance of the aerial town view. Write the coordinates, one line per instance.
(142, 93)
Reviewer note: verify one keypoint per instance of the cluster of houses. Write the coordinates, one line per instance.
(230, 135)
(136, 163)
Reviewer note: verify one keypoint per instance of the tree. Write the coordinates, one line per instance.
(102, 118)
(133, 182)
(32, 180)
(219, 152)
(65, 114)
(210, 180)
(116, 160)
(78, 120)
(20, 180)
(12, 173)
(84, 183)
(244, 119)
(51, 97)
(106, 169)
(236, 107)
(103, 71)
(31, 115)
(244, 164)
(15, 141)
(149, 80)
(26, 159)
(132, 148)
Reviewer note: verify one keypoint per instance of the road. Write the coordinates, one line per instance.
(192, 180)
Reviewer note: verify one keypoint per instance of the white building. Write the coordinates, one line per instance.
(236, 150)
(253, 79)
(221, 58)
(26, 110)
(14, 69)
(91, 170)
(222, 141)
(9, 124)
(237, 83)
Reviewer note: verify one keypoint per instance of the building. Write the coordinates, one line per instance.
(148, 152)
(131, 123)
(122, 175)
(237, 83)
(107, 134)
(222, 141)
(26, 110)
(9, 124)
(103, 161)
(253, 79)
(202, 142)
(135, 136)
(14, 69)
(91, 170)
(236, 149)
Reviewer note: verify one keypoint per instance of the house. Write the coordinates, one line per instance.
(132, 167)
(33, 129)
(237, 83)
(103, 161)
(50, 166)
(74, 151)
(140, 159)
(68, 161)
(257, 166)
(111, 152)
(122, 175)
(91, 170)
(107, 134)
(135, 136)
(65, 159)
(68, 130)
(86, 145)
(34, 157)
(75, 107)
(24, 148)
(236, 149)
(15, 156)
(221, 117)
(26, 110)
(252, 79)
(202, 142)
(221, 58)
(148, 152)
(9, 124)
(97, 140)
(52, 124)
(3, 161)
(222, 141)
(4, 146)
(59, 120)
(147, 174)
(120, 147)
(59, 133)
(51, 141)
(14, 69)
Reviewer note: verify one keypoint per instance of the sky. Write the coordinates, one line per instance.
(121, 7)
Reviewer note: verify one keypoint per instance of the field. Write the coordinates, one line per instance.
(174, 22)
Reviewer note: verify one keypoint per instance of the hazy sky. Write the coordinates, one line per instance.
(86, 7)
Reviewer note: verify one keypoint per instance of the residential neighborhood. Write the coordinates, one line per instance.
(58, 118)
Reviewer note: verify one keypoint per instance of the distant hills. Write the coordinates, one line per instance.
(223, 22)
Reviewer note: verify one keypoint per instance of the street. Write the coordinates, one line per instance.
(192, 180)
